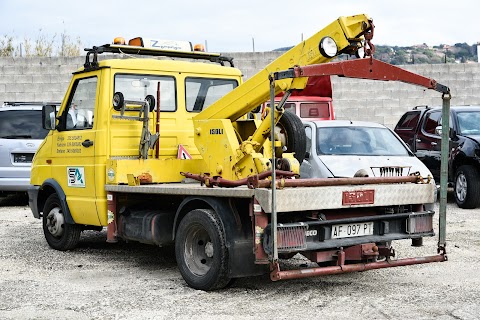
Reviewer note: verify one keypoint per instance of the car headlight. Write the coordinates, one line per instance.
(328, 47)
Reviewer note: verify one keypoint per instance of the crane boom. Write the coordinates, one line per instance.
(347, 32)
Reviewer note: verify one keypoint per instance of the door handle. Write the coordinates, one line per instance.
(418, 140)
(87, 143)
(433, 143)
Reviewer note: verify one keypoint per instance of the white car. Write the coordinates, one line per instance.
(342, 148)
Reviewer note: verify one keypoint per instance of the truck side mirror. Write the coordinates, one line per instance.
(49, 113)
(451, 132)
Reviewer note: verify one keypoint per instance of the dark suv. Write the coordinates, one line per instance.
(21, 133)
(421, 127)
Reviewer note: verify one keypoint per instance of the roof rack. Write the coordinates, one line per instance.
(23, 103)
(417, 107)
(92, 63)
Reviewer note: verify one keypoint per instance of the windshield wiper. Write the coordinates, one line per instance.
(17, 136)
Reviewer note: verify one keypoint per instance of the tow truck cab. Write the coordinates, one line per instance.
(72, 161)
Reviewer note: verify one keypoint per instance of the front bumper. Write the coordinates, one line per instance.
(317, 235)
(14, 184)
(33, 200)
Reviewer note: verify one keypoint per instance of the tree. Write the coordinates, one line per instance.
(42, 46)
(6, 46)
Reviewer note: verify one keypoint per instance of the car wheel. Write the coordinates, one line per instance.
(201, 250)
(59, 234)
(290, 131)
(467, 187)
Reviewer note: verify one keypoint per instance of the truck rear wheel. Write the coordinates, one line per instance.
(201, 251)
(59, 235)
(467, 187)
(290, 131)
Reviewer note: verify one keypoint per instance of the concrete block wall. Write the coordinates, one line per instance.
(36, 79)
(46, 79)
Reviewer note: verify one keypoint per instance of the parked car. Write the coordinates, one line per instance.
(21, 133)
(341, 148)
(421, 128)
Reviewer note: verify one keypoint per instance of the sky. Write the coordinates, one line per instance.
(237, 26)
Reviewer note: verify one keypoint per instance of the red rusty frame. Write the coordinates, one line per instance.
(276, 274)
(218, 181)
(365, 68)
(317, 182)
(112, 221)
(260, 222)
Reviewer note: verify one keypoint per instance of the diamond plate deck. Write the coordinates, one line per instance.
(187, 189)
(296, 199)
(319, 198)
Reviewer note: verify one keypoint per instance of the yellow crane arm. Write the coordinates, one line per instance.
(346, 32)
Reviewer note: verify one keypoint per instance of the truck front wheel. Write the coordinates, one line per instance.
(467, 187)
(59, 235)
(201, 251)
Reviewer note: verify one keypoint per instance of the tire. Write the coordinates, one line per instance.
(467, 187)
(59, 235)
(118, 100)
(291, 133)
(201, 250)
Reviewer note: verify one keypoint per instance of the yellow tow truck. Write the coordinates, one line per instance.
(162, 150)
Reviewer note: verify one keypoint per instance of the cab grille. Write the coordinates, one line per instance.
(393, 171)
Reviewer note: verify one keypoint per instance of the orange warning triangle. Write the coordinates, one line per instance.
(183, 153)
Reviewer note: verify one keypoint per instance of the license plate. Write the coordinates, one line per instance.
(358, 197)
(352, 230)
(22, 157)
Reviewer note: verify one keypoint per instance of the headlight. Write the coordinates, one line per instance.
(328, 47)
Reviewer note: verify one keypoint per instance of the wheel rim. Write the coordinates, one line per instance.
(55, 222)
(461, 187)
(281, 135)
(199, 251)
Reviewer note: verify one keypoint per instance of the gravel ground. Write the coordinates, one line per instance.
(134, 281)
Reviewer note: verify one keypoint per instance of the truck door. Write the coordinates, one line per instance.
(74, 151)
(428, 142)
(407, 126)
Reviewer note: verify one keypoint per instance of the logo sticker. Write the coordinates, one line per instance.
(76, 177)
(111, 174)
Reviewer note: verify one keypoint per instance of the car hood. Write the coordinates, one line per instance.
(375, 166)
(474, 137)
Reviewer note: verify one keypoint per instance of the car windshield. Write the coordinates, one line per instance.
(366, 141)
(22, 124)
(469, 122)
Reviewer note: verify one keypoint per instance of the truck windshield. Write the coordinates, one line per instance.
(22, 124)
(469, 122)
(137, 86)
(202, 92)
(367, 141)
(315, 110)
